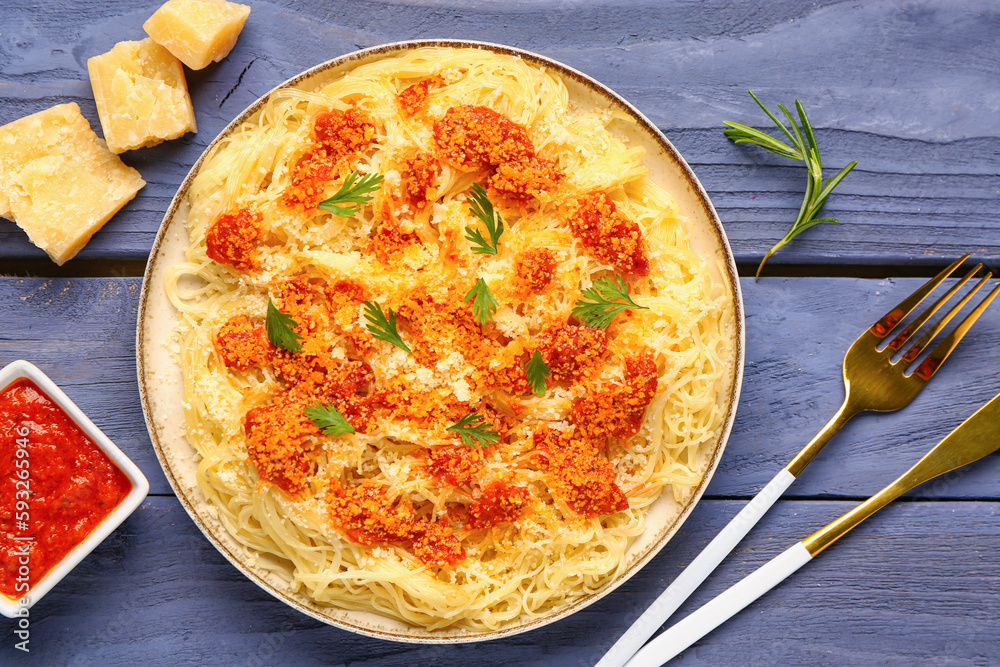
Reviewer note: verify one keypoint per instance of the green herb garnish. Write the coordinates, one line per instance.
(608, 297)
(346, 201)
(804, 141)
(384, 328)
(475, 431)
(538, 373)
(280, 329)
(328, 419)
(482, 208)
(483, 303)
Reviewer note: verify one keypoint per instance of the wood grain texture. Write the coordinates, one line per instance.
(916, 585)
(907, 88)
(81, 332)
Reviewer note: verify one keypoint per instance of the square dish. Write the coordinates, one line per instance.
(10, 377)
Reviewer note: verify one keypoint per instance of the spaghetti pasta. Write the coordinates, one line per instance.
(400, 517)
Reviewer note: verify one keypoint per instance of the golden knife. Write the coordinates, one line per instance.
(974, 438)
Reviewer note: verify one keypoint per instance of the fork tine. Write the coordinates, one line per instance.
(915, 325)
(951, 341)
(925, 340)
(884, 326)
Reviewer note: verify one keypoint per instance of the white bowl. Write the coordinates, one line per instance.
(140, 487)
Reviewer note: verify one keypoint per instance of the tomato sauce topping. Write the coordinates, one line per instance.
(241, 344)
(501, 502)
(579, 475)
(344, 299)
(278, 438)
(397, 398)
(525, 179)
(57, 492)
(572, 353)
(413, 100)
(442, 324)
(390, 241)
(296, 295)
(335, 138)
(417, 177)
(453, 466)
(234, 239)
(367, 515)
(504, 370)
(533, 270)
(610, 235)
(614, 409)
(472, 138)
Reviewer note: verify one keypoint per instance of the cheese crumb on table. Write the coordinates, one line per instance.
(58, 180)
(141, 94)
(197, 31)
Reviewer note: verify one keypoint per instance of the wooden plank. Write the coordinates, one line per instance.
(798, 331)
(915, 585)
(908, 91)
(81, 332)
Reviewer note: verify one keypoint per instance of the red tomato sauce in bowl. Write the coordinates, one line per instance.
(56, 486)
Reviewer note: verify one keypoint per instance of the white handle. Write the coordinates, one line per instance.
(721, 609)
(695, 573)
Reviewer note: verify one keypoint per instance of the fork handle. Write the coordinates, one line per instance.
(847, 411)
(695, 573)
(685, 633)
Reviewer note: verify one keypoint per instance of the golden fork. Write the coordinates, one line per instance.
(873, 382)
(976, 437)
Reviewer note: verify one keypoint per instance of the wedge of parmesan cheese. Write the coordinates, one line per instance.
(58, 180)
(141, 94)
(197, 31)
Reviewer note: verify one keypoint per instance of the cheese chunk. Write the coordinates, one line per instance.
(58, 180)
(142, 97)
(197, 31)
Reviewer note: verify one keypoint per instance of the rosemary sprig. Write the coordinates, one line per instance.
(280, 329)
(329, 419)
(538, 373)
(608, 297)
(483, 209)
(804, 142)
(384, 328)
(354, 192)
(475, 431)
(483, 303)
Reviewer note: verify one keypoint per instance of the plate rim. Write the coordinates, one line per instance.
(731, 277)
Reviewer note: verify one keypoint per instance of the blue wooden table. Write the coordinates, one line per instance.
(910, 89)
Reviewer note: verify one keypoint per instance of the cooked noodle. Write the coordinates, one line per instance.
(550, 556)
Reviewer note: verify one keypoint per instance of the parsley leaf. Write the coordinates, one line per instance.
(483, 303)
(804, 141)
(475, 431)
(538, 373)
(328, 418)
(483, 209)
(383, 328)
(608, 297)
(280, 330)
(346, 201)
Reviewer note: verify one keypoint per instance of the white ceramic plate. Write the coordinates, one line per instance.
(160, 383)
